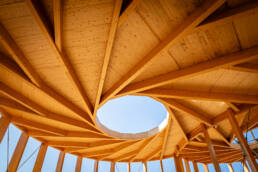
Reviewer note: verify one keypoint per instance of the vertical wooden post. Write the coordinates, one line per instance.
(211, 149)
(145, 168)
(187, 166)
(96, 166)
(129, 167)
(195, 166)
(230, 168)
(161, 166)
(239, 134)
(205, 167)
(246, 169)
(17, 155)
(60, 162)
(4, 123)
(178, 164)
(78, 164)
(40, 158)
(112, 167)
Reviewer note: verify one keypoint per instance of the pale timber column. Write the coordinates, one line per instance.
(40, 158)
(205, 167)
(161, 166)
(17, 155)
(195, 166)
(96, 166)
(187, 166)
(145, 168)
(211, 149)
(178, 164)
(230, 168)
(112, 167)
(4, 123)
(129, 167)
(60, 162)
(246, 169)
(239, 134)
(78, 164)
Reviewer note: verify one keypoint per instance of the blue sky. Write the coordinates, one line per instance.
(123, 112)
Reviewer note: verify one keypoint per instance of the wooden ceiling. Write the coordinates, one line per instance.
(61, 61)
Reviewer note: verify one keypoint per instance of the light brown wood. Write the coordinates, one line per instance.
(58, 23)
(211, 149)
(96, 166)
(230, 167)
(4, 123)
(40, 158)
(112, 167)
(192, 21)
(231, 59)
(246, 169)
(238, 132)
(17, 155)
(187, 166)
(145, 167)
(161, 166)
(205, 167)
(129, 167)
(78, 166)
(60, 162)
(178, 164)
(195, 167)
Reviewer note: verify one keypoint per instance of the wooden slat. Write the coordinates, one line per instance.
(188, 24)
(164, 143)
(245, 67)
(211, 149)
(161, 166)
(78, 166)
(205, 167)
(40, 158)
(17, 155)
(198, 95)
(187, 166)
(18, 56)
(60, 162)
(109, 46)
(131, 7)
(96, 166)
(201, 68)
(113, 166)
(246, 169)
(195, 166)
(69, 70)
(178, 164)
(58, 23)
(239, 134)
(4, 123)
(230, 168)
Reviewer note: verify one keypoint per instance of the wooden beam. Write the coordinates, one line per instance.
(201, 68)
(17, 155)
(239, 134)
(131, 7)
(69, 70)
(60, 162)
(96, 166)
(154, 153)
(199, 95)
(222, 136)
(15, 73)
(16, 53)
(4, 123)
(129, 167)
(113, 166)
(164, 143)
(58, 23)
(40, 158)
(195, 166)
(187, 166)
(78, 166)
(144, 166)
(178, 164)
(245, 67)
(230, 167)
(205, 167)
(246, 169)
(175, 105)
(207, 8)
(161, 166)
(109, 46)
(211, 149)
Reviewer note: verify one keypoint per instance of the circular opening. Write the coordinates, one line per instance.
(132, 117)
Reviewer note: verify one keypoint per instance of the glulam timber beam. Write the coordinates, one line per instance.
(60, 161)
(96, 166)
(109, 46)
(230, 167)
(126, 13)
(66, 64)
(16, 53)
(161, 165)
(4, 123)
(17, 155)
(199, 95)
(211, 149)
(193, 20)
(15, 73)
(178, 164)
(58, 23)
(195, 166)
(187, 166)
(205, 167)
(78, 166)
(188, 72)
(40, 158)
(239, 134)
(113, 166)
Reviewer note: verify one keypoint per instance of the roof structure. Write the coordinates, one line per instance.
(61, 61)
